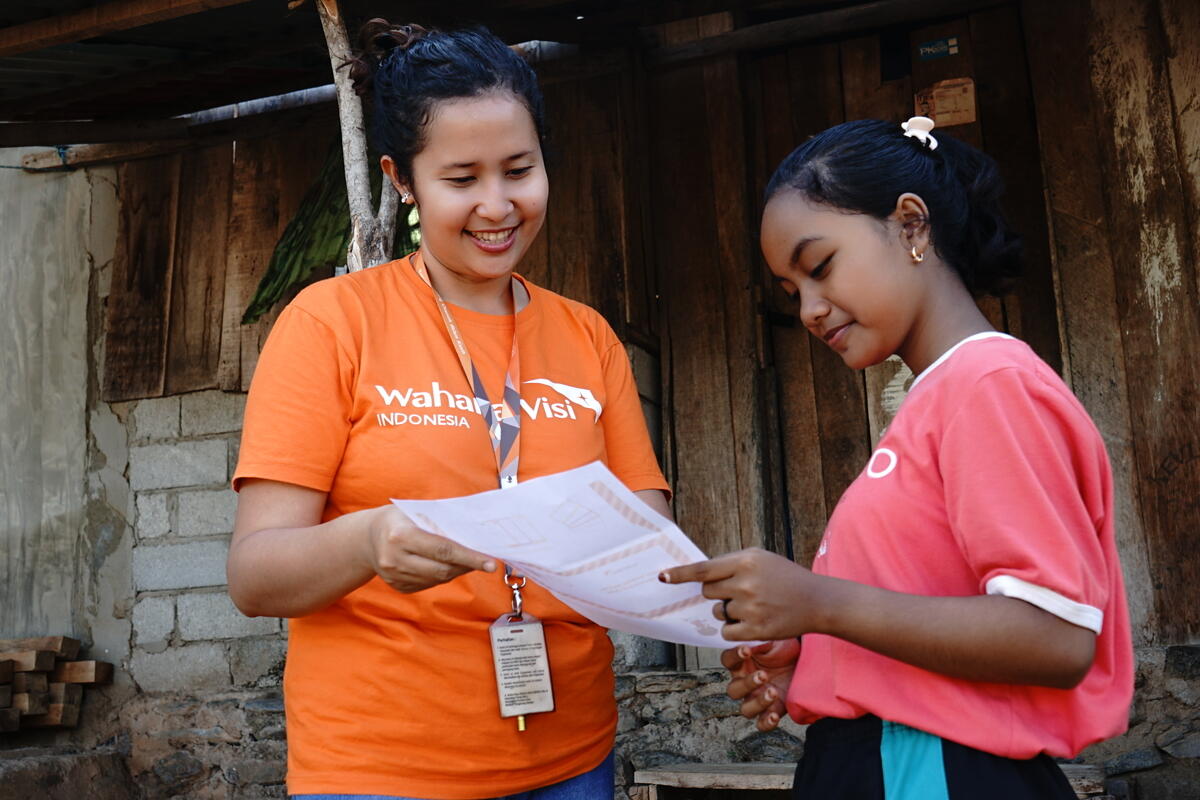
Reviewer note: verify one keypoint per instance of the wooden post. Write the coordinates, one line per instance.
(371, 241)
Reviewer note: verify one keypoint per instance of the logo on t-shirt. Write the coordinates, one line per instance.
(442, 408)
(882, 462)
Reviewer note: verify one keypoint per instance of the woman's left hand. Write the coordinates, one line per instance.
(763, 595)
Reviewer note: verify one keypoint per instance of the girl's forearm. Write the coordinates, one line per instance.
(983, 638)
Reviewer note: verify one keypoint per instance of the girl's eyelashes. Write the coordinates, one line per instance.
(460, 180)
(819, 269)
(520, 171)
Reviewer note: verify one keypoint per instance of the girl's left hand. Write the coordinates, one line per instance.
(765, 595)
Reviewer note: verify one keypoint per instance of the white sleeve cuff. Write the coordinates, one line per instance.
(1079, 614)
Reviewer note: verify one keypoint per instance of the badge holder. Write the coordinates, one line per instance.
(519, 653)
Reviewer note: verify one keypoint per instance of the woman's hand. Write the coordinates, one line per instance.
(410, 559)
(760, 677)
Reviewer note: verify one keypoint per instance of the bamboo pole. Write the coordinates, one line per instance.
(372, 233)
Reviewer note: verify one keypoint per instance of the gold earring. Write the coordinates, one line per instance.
(917, 257)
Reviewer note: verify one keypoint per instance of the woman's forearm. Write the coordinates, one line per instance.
(290, 572)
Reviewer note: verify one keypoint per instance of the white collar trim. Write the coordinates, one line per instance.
(942, 358)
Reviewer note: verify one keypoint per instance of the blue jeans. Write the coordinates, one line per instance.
(596, 784)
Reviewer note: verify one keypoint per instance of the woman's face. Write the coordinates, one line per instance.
(480, 185)
(856, 284)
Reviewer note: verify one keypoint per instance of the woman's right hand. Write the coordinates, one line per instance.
(760, 677)
(410, 559)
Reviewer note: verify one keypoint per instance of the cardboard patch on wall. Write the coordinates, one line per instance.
(948, 102)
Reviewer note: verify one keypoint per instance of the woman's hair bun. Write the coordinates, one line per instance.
(376, 40)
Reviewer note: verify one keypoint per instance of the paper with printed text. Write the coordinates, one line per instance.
(589, 540)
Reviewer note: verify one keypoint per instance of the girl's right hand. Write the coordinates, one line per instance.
(760, 677)
(410, 559)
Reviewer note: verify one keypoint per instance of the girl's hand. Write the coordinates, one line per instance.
(763, 595)
(760, 677)
(410, 559)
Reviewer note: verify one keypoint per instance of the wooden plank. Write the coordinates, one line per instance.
(800, 467)
(198, 285)
(30, 682)
(6, 670)
(10, 720)
(44, 134)
(1157, 301)
(6, 693)
(95, 672)
(1094, 356)
(810, 27)
(864, 95)
(31, 660)
(63, 646)
(740, 279)
(270, 178)
(747, 777)
(1180, 21)
(58, 715)
(137, 321)
(69, 693)
(642, 309)
(1010, 137)
(31, 702)
(98, 20)
(705, 465)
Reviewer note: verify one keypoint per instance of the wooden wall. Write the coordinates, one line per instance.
(1118, 114)
(195, 234)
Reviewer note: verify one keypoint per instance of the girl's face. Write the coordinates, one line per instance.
(852, 274)
(480, 185)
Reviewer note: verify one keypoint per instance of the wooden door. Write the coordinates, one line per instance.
(829, 417)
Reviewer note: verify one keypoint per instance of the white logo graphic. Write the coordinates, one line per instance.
(873, 468)
(580, 397)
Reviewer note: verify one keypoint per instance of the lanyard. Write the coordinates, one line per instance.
(505, 428)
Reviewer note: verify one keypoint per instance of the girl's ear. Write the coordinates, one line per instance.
(912, 215)
(388, 165)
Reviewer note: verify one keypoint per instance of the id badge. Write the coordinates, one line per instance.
(522, 666)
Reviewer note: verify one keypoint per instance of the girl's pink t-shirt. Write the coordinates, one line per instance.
(992, 479)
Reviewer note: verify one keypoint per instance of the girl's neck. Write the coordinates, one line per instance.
(949, 316)
(493, 296)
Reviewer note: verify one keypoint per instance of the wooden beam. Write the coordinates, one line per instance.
(198, 136)
(90, 22)
(809, 27)
(24, 134)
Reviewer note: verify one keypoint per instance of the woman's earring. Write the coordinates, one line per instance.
(405, 197)
(917, 257)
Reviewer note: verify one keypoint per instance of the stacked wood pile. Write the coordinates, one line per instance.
(41, 682)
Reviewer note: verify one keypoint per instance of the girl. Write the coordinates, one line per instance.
(415, 379)
(964, 618)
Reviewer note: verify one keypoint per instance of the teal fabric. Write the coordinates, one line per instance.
(912, 764)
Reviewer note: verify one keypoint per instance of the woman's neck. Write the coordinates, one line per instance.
(485, 296)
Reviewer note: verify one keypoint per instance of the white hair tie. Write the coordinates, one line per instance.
(919, 128)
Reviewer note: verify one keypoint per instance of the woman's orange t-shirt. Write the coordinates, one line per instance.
(359, 393)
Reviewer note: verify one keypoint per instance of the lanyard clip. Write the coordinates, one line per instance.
(516, 583)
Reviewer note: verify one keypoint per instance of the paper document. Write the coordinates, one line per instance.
(589, 540)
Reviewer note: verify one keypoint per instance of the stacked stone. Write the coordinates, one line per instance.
(41, 685)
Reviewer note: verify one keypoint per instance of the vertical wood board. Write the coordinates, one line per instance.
(1009, 133)
(1156, 292)
(198, 285)
(137, 316)
(1084, 269)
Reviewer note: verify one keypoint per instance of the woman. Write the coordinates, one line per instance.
(425, 378)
